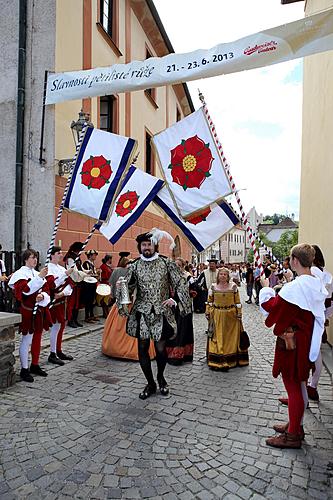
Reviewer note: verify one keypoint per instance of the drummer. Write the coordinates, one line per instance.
(103, 298)
(89, 286)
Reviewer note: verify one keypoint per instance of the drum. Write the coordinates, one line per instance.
(103, 290)
(90, 280)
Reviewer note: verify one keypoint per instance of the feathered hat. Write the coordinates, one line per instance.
(155, 236)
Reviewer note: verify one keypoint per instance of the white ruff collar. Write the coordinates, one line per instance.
(149, 259)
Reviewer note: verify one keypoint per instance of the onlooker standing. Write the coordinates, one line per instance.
(73, 302)
(249, 282)
(257, 284)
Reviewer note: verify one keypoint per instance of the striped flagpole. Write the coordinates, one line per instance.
(232, 183)
(61, 207)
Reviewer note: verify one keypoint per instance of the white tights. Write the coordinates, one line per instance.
(314, 378)
(53, 336)
(24, 350)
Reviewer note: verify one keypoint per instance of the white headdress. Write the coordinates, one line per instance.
(156, 235)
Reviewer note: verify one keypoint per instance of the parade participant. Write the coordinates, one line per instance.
(115, 341)
(287, 272)
(235, 276)
(249, 282)
(204, 282)
(121, 255)
(224, 315)
(318, 269)
(57, 277)
(30, 287)
(89, 286)
(151, 317)
(105, 276)
(73, 302)
(297, 314)
(180, 348)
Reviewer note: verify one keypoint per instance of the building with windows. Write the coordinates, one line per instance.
(62, 36)
(316, 201)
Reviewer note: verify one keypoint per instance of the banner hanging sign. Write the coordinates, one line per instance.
(300, 38)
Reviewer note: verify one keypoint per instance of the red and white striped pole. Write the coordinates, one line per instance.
(232, 183)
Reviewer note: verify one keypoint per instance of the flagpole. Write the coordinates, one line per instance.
(62, 204)
(232, 183)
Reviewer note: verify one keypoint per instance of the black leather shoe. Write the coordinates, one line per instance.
(80, 325)
(163, 385)
(25, 375)
(72, 324)
(53, 358)
(37, 370)
(147, 391)
(64, 357)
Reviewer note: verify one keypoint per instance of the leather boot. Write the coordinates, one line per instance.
(312, 393)
(53, 358)
(25, 375)
(285, 440)
(37, 370)
(281, 428)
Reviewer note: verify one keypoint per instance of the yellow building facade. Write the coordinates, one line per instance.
(316, 201)
(95, 33)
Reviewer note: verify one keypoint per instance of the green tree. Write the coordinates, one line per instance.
(281, 248)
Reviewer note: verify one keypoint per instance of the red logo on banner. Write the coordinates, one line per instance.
(126, 203)
(200, 217)
(191, 162)
(264, 47)
(96, 172)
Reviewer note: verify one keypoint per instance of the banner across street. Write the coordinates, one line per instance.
(300, 38)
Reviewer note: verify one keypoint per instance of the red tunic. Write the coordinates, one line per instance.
(294, 364)
(57, 310)
(106, 272)
(42, 319)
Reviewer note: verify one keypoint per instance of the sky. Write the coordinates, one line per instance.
(257, 113)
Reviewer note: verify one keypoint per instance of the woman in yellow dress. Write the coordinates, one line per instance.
(224, 314)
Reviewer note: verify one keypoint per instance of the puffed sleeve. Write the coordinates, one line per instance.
(180, 286)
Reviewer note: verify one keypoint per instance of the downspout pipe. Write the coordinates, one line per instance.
(20, 111)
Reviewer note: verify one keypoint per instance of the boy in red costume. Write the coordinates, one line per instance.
(30, 287)
(298, 313)
(57, 279)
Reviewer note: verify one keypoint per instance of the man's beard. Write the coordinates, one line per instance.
(148, 253)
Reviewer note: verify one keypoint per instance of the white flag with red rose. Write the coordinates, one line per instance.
(101, 164)
(204, 228)
(191, 164)
(137, 191)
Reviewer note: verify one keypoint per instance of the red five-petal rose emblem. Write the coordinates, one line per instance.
(126, 203)
(96, 172)
(196, 219)
(191, 162)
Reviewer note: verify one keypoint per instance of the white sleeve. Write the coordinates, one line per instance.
(67, 291)
(265, 294)
(60, 279)
(34, 285)
(45, 301)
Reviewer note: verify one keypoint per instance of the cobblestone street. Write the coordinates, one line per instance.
(84, 433)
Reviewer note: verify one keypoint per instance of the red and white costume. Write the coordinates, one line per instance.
(26, 284)
(300, 306)
(56, 278)
(327, 280)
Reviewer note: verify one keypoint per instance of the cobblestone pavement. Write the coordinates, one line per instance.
(83, 432)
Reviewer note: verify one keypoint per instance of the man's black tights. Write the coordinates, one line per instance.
(144, 359)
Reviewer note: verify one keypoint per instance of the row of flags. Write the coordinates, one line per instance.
(107, 187)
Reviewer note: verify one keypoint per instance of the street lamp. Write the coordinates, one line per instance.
(77, 126)
(65, 165)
